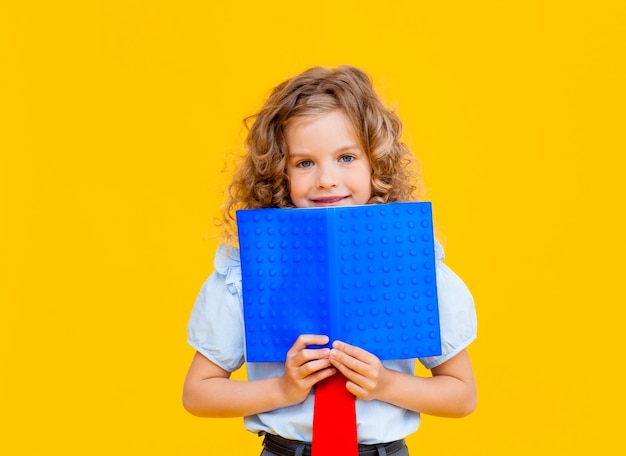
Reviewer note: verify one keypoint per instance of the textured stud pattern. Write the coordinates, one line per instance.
(361, 274)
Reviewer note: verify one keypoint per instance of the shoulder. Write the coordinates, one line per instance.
(215, 327)
(439, 253)
(447, 279)
(226, 256)
(457, 313)
(228, 265)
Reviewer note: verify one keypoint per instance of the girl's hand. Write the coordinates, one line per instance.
(365, 372)
(304, 367)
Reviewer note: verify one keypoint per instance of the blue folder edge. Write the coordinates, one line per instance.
(361, 274)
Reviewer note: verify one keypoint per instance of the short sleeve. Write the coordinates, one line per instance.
(215, 327)
(457, 315)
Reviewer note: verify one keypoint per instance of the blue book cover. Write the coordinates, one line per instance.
(361, 274)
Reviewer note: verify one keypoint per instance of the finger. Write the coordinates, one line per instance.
(321, 375)
(356, 390)
(304, 340)
(357, 384)
(317, 357)
(344, 358)
(311, 354)
(314, 367)
(348, 371)
(355, 352)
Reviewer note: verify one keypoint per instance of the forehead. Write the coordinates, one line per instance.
(337, 117)
(325, 126)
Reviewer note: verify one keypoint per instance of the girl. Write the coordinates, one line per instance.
(323, 138)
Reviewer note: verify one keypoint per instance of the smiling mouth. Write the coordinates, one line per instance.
(329, 200)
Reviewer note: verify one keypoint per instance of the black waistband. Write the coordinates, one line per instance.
(285, 447)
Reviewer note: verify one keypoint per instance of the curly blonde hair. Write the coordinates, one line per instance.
(260, 180)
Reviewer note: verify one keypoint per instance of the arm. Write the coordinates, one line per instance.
(450, 392)
(209, 392)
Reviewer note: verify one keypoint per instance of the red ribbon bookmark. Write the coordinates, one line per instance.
(334, 419)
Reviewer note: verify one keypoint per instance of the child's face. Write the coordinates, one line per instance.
(326, 164)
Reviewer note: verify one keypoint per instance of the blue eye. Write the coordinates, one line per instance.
(346, 158)
(304, 164)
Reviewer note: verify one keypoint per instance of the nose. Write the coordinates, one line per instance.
(326, 176)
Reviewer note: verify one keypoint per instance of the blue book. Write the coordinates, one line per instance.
(361, 274)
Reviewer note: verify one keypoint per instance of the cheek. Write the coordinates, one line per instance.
(364, 181)
(368, 191)
(295, 184)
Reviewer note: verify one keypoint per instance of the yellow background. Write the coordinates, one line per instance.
(116, 117)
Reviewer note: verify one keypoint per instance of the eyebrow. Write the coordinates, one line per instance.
(339, 150)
